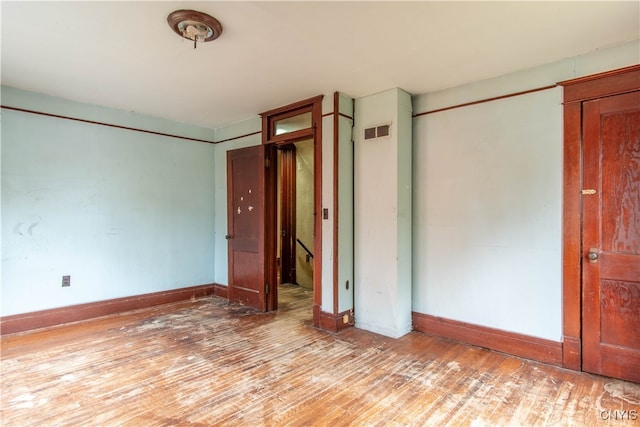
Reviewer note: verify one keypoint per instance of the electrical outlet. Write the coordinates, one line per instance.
(66, 281)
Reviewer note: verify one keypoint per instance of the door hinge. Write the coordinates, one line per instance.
(267, 162)
(266, 288)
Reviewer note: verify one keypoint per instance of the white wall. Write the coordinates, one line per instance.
(487, 199)
(382, 210)
(122, 212)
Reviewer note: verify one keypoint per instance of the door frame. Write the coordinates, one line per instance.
(577, 91)
(287, 169)
(269, 137)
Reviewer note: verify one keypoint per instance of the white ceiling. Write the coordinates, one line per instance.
(124, 55)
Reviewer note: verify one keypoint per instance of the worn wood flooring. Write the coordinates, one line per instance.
(206, 362)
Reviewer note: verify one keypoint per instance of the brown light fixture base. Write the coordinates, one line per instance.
(195, 26)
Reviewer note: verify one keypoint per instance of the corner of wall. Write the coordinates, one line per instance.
(382, 213)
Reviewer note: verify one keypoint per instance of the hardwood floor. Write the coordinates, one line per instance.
(206, 362)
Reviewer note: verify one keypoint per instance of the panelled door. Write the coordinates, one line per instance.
(611, 236)
(246, 192)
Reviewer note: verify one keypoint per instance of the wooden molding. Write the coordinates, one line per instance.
(294, 106)
(238, 137)
(221, 291)
(287, 213)
(575, 91)
(599, 76)
(482, 101)
(335, 322)
(526, 346)
(316, 313)
(58, 316)
(317, 206)
(111, 125)
(603, 84)
(314, 105)
(571, 219)
(572, 353)
(336, 190)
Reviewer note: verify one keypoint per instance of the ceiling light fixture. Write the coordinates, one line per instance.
(195, 26)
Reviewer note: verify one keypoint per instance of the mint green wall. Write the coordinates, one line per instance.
(127, 213)
(345, 204)
(327, 203)
(124, 213)
(487, 198)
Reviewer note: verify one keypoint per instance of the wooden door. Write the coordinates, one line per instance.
(288, 214)
(249, 272)
(611, 237)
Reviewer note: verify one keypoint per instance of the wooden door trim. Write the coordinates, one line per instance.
(313, 104)
(336, 172)
(288, 214)
(270, 232)
(293, 106)
(317, 184)
(609, 83)
(576, 91)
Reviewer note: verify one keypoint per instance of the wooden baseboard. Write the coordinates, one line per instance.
(221, 291)
(316, 315)
(572, 353)
(335, 322)
(526, 346)
(58, 316)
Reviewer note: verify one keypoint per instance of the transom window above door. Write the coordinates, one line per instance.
(290, 125)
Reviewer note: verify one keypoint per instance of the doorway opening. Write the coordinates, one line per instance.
(295, 214)
(293, 221)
